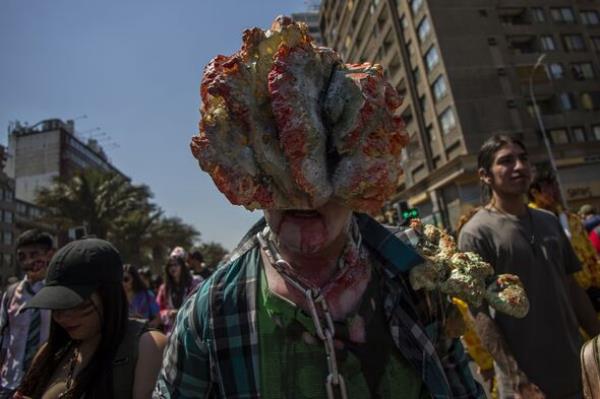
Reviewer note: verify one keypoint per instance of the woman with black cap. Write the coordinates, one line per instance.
(94, 350)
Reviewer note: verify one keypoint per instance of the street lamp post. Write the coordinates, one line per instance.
(540, 122)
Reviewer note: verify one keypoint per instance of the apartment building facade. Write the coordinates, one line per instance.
(468, 70)
(49, 149)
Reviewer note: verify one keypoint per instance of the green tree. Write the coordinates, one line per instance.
(213, 253)
(113, 208)
(95, 199)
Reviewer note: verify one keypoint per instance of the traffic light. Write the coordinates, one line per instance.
(410, 213)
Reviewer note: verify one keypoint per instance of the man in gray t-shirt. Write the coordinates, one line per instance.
(546, 342)
(537, 356)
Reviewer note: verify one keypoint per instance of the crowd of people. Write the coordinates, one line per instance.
(316, 301)
(81, 323)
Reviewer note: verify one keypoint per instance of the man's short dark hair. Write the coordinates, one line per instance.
(35, 237)
(196, 255)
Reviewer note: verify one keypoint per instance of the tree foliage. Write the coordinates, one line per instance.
(213, 253)
(112, 208)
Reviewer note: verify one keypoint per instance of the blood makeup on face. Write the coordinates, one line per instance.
(301, 231)
(309, 231)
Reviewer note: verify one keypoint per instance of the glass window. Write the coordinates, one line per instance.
(424, 29)
(547, 42)
(538, 14)
(7, 259)
(447, 120)
(415, 5)
(563, 14)
(439, 88)
(583, 71)
(8, 216)
(589, 17)
(7, 238)
(559, 136)
(432, 58)
(416, 75)
(556, 71)
(567, 102)
(596, 132)
(596, 42)
(578, 134)
(573, 42)
(403, 22)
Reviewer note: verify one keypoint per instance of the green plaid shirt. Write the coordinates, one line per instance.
(213, 351)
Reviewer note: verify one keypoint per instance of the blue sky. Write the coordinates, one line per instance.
(134, 68)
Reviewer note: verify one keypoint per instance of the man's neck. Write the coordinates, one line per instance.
(317, 268)
(511, 204)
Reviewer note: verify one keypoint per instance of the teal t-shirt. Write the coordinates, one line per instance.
(293, 363)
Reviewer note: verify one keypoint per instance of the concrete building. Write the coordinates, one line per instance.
(311, 19)
(465, 69)
(46, 150)
(8, 234)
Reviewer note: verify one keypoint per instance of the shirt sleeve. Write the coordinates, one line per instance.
(185, 372)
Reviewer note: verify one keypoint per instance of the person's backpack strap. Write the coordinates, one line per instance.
(126, 359)
(590, 369)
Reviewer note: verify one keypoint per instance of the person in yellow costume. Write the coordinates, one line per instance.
(544, 193)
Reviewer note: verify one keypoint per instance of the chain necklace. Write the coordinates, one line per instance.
(314, 297)
(69, 380)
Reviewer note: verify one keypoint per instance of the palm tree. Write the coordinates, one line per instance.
(92, 198)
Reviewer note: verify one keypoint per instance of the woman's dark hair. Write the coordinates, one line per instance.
(486, 155)
(136, 281)
(95, 381)
(177, 290)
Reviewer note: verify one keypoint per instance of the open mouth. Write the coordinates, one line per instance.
(303, 213)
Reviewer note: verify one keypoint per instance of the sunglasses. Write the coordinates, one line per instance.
(126, 279)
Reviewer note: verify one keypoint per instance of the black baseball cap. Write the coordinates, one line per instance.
(75, 271)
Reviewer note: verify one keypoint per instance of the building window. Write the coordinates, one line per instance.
(439, 88)
(547, 42)
(447, 120)
(430, 133)
(415, 5)
(423, 103)
(589, 17)
(583, 71)
(578, 134)
(596, 42)
(424, 29)
(537, 13)
(573, 42)
(416, 75)
(563, 15)
(432, 58)
(403, 22)
(559, 136)
(556, 71)
(7, 216)
(567, 101)
(590, 101)
(7, 238)
(596, 132)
